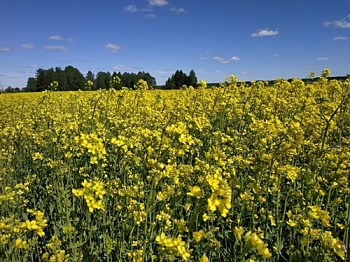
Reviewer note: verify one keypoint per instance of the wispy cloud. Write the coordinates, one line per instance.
(60, 38)
(322, 58)
(130, 8)
(274, 55)
(158, 2)
(112, 48)
(30, 66)
(220, 59)
(150, 15)
(28, 46)
(56, 47)
(341, 23)
(5, 49)
(55, 37)
(123, 67)
(341, 38)
(164, 71)
(178, 10)
(147, 9)
(264, 32)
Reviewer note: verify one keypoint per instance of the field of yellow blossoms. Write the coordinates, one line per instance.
(231, 173)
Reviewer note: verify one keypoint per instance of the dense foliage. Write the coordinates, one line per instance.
(180, 79)
(236, 173)
(70, 79)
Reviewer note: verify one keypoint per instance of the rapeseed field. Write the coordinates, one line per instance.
(230, 173)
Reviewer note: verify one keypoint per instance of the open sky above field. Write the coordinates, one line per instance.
(253, 39)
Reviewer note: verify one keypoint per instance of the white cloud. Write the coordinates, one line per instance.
(234, 58)
(203, 57)
(341, 38)
(342, 23)
(56, 47)
(30, 66)
(265, 32)
(220, 59)
(158, 2)
(112, 47)
(178, 10)
(164, 71)
(147, 9)
(322, 58)
(123, 67)
(5, 49)
(130, 8)
(274, 55)
(28, 46)
(55, 37)
(150, 15)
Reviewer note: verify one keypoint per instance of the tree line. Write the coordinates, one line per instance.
(180, 79)
(71, 79)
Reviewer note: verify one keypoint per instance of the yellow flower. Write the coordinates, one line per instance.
(195, 191)
(205, 217)
(292, 223)
(78, 192)
(21, 244)
(160, 238)
(238, 232)
(217, 244)
(198, 235)
(264, 252)
(213, 202)
(204, 258)
(93, 160)
(187, 206)
(255, 241)
(31, 225)
(213, 183)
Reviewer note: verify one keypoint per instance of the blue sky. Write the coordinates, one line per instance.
(253, 39)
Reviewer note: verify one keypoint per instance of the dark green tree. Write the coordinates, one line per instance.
(192, 79)
(113, 84)
(90, 76)
(61, 78)
(10, 89)
(75, 79)
(31, 85)
(101, 80)
(42, 79)
(179, 79)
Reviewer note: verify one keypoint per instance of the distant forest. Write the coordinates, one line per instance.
(71, 79)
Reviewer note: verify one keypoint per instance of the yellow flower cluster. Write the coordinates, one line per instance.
(37, 225)
(220, 198)
(253, 240)
(93, 192)
(55, 254)
(316, 213)
(329, 242)
(94, 146)
(175, 246)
